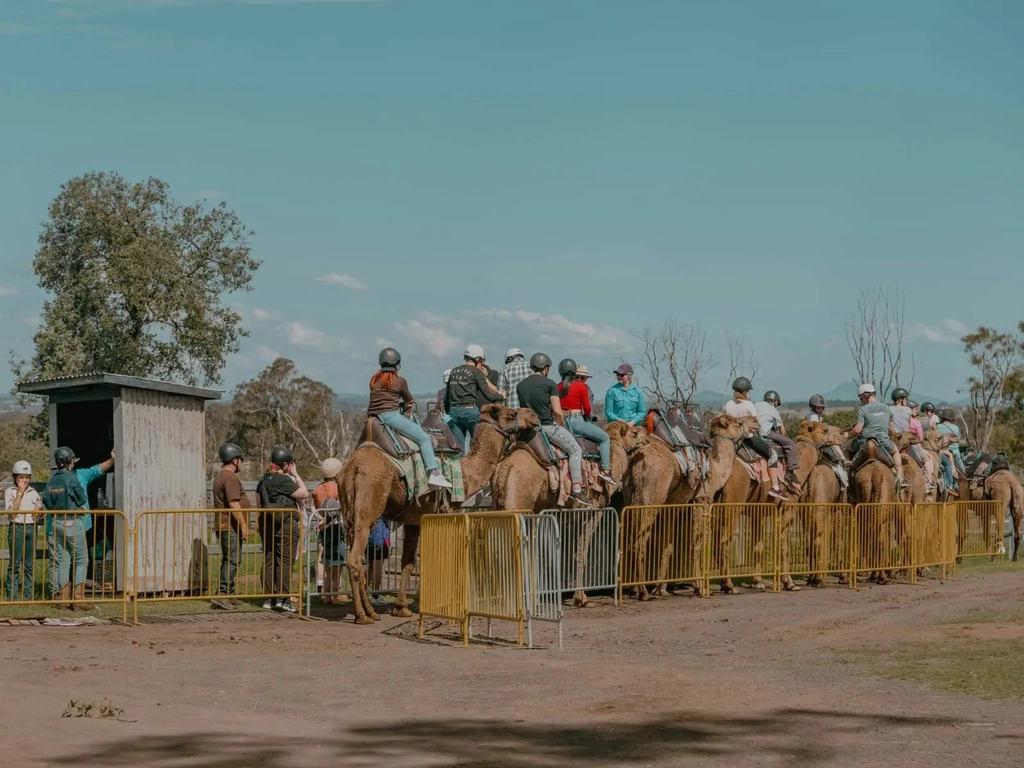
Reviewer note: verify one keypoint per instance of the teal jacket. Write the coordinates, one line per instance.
(621, 404)
(84, 477)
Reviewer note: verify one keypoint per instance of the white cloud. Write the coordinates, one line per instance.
(933, 334)
(560, 331)
(266, 354)
(346, 281)
(955, 326)
(304, 335)
(436, 340)
(263, 316)
(8, 290)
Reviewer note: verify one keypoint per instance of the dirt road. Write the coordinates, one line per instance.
(750, 680)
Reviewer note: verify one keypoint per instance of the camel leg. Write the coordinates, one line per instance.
(640, 546)
(757, 536)
(698, 521)
(593, 520)
(666, 558)
(725, 528)
(410, 544)
(365, 614)
(784, 527)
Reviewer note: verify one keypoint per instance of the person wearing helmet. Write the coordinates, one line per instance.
(279, 491)
(21, 534)
(899, 410)
(740, 407)
(232, 523)
(467, 388)
(439, 403)
(624, 400)
(817, 405)
(951, 455)
(539, 393)
(574, 398)
(928, 465)
(774, 430)
(391, 400)
(873, 420)
(66, 500)
(515, 370)
(930, 420)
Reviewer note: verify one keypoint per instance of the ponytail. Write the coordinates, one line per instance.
(382, 380)
(567, 380)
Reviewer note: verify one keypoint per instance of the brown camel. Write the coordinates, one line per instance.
(822, 488)
(370, 486)
(741, 488)
(654, 478)
(1002, 485)
(874, 483)
(520, 482)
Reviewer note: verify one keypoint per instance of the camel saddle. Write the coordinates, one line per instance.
(871, 451)
(385, 438)
(693, 433)
(548, 455)
(656, 425)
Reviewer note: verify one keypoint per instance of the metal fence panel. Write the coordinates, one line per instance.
(744, 542)
(444, 570)
(661, 544)
(816, 540)
(930, 549)
(885, 535)
(177, 556)
(979, 527)
(495, 568)
(589, 548)
(46, 561)
(949, 535)
(542, 572)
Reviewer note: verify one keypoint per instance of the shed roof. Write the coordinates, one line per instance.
(93, 382)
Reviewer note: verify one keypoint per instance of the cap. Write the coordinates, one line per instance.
(514, 352)
(623, 369)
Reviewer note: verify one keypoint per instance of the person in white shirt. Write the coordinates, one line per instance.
(773, 429)
(817, 406)
(740, 407)
(22, 498)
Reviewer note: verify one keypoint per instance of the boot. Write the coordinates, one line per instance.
(64, 596)
(80, 596)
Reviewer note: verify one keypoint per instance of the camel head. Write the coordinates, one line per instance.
(814, 432)
(904, 440)
(501, 416)
(630, 437)
(936, 441)
(726, 426)
(528, 419)
(750, 425)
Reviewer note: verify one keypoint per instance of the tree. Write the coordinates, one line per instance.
(138, 283)
(997, 357)
(18, 443)
(875, 338)
(675, 361)
(741, 359)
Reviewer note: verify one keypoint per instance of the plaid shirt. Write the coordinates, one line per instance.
(511, 375)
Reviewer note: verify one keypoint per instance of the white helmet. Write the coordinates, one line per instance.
(865, 389)
(514, 352)
(474, 352)
(22, 468)
(446, 374)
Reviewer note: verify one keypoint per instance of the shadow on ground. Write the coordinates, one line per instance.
(792, 737)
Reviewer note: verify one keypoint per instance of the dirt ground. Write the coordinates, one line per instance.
(751, 680)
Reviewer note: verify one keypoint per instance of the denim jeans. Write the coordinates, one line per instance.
(20, 576)
(579, 425)
(412, 430)
(563, 438)
(948, 477)
(230, 553)
(67, 551)
(463, 422)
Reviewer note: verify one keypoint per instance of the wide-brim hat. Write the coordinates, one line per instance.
(330, 468)
(582, 372)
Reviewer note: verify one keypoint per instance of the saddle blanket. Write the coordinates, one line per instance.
(560, 481)
(758, 470)
(694, 463)
(414, 472)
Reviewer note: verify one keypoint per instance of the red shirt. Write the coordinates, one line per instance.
(577, 399)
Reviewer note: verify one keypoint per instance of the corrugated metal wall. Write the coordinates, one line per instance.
(160, 466)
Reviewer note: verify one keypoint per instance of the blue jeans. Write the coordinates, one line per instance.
(563, 438)
(21, 575)
(67, 549)
(947, 473)
(579, 425)
(463, 421)
(412, 430)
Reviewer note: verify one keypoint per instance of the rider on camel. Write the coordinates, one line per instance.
(740, 407)
(773, 429)
(873, 420)
(574, 397)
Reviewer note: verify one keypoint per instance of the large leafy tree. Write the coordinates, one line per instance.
(138, 283)
(998, 360)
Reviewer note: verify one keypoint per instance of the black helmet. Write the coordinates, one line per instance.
(389, 359)
(742, 384)
(899, 393)
(928, 407)
(911, 404)
(947, 414)
(281, 456)
(540, 361)
(63, 457)
(567, 368)
(816, 401)
(771, 396)
(229, 452)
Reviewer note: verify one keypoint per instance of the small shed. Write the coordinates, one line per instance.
(159, 432)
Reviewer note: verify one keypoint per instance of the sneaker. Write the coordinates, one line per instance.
(224, 603)
(287, 606)
(269, 605)
(437, 479)
(603, 475)
(577, 496)
(776, 494)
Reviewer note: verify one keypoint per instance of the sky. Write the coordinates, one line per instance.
(553, 175)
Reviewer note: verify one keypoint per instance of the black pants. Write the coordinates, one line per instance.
(762, 446)
(230, 552)
(788, 449)
(280, 533)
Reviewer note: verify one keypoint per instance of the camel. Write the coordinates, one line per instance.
(934, 443)
(520, 482)
(1002, 485)
(874, 483)
(370, 486)
(654, 478)
(741, 488)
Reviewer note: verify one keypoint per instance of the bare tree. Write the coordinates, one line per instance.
(675, 360)
(875, 335)
(741, 359)
(998, 360)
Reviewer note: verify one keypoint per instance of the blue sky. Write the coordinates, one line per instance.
(546, 174)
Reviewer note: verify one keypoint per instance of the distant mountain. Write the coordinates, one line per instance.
(707, 397)
(847, 393)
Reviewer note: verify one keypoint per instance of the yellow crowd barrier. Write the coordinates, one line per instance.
(979, 528)
(182, 554)
(743, 543)
(885, 533)
(661, 545)
(930, 548)
(444, 570)
(949, 535)
(817, 540)
(49, 558)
